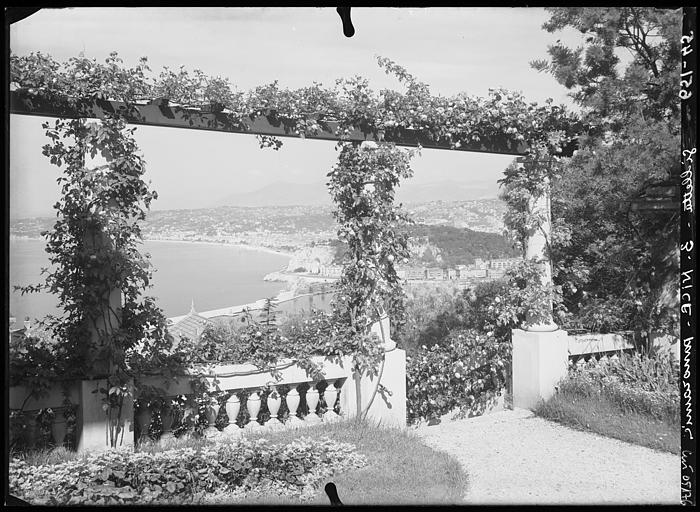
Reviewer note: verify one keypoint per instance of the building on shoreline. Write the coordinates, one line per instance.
(191, 326)
(479, 270)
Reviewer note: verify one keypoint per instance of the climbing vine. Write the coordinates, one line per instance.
(503, 118)
(362, 186)
(93, 245)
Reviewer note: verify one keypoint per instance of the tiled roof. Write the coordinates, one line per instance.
(190, 327)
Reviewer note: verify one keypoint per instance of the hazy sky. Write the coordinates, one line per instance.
(452, 49)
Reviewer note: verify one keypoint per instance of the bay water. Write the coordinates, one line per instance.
(213, 275)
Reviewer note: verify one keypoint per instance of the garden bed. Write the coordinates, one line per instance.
(368, 465)
(635, 399)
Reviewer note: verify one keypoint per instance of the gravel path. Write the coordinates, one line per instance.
(514, 457)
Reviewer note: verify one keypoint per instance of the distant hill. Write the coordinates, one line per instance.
(410, 192)
(447, 246)
(279, 194)
(461, 246)
(289, 194)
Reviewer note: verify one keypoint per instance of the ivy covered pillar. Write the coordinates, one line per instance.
(540, 350)
(536, 250)
(105, 419)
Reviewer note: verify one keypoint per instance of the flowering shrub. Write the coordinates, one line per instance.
(183, 475)
(473, 329)
(467, 371)
(648, 385)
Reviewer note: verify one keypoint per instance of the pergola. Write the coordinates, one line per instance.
(538, 347)
(160, 112)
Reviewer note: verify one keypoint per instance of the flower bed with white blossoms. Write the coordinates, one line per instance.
(184, 475)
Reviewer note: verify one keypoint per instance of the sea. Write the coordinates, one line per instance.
(214, 276)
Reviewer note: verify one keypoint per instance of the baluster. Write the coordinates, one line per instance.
(233, 407)
(189, 413)
(312, 402)
(337, 384)
(253, 406)
(274, 401)
(293, 400)
(212, 413)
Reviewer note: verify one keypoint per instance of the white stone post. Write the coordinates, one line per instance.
(253, 406)
(274, 402)
(233, 406)
(537, 249)
(540, 350)
(312, 398)
(293, 400)
(212, 413)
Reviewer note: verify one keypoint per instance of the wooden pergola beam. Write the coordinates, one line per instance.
(160, 113)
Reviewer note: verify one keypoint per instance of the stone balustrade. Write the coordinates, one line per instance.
(252, 398)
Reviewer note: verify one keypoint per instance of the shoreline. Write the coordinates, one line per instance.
(282, 276)
(258, 248)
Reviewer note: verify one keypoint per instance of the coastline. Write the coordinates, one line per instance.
(294, 278)
(258, 248)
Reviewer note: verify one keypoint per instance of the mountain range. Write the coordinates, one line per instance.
(288, 194)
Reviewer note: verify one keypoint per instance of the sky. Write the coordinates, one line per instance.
(452, 49)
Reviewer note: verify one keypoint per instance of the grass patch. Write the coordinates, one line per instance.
(603, 416)
(400, 468)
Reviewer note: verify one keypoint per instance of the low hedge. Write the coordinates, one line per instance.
(184, 475)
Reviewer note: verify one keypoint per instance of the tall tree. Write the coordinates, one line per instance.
(618, 266)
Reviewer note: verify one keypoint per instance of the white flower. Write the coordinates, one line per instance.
(368, 144)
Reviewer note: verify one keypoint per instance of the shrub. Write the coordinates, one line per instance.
(431, 312)
(182, 475)
(467, 371)
(645, 384)
(466, 361)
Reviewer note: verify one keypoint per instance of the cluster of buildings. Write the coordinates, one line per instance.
(480, 269)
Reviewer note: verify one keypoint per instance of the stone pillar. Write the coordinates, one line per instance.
(537, 249)
(387, 405)
(93, 419)
(93, 423)
(109, 318)
(540, 348)
(540, 361)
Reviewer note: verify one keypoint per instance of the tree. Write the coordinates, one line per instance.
(617, 267)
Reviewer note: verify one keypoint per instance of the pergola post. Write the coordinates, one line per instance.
(537, 250)
(93, 421)
(540, 349)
